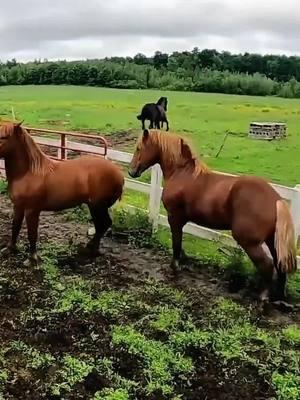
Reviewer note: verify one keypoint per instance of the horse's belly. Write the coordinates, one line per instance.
(65, 195)
(210, 223)
(57, 202)
(209, 217)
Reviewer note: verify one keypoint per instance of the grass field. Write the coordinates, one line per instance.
(203, 118)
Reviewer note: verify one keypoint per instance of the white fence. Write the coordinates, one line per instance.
(154, 190)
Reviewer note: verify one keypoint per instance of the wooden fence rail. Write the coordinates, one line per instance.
(154, 189)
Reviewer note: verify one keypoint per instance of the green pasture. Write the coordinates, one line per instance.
(202, 118)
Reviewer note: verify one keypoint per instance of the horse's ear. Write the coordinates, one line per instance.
(186, 150)
(145, 134)
(18, 124)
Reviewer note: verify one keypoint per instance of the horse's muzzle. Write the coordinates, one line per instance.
(134, 173)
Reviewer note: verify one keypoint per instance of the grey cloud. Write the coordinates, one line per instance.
(96, 28)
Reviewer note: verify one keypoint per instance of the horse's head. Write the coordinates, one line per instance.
(145, 155)
(9, 133)
(163, 101)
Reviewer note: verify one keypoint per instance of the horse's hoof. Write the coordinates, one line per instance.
(184, 257)
(90, 250)
(9, 250)
(283, 306)
(33, 261)
(94, 252)
(175, 266)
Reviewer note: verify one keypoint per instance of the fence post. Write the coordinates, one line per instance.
(155, 195)
(295, 211)
(62, 153)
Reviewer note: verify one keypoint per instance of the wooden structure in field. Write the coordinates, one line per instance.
(267, 130)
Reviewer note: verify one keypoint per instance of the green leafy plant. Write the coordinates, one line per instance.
(162, 363)
(112, 394)
(34, 358)
(292, 334)
(73, 371)
(287, 386)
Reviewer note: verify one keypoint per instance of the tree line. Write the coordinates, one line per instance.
(200, 71)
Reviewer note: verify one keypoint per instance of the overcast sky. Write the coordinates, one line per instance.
(78, 29)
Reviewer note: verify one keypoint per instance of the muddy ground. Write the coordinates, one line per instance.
(120, 266)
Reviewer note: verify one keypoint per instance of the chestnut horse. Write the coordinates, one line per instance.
(36, 183)
(248, 206)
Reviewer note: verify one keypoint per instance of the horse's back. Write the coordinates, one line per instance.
(149, 111)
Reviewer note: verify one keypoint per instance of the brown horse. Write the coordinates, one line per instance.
(36, 183)
(248, 206)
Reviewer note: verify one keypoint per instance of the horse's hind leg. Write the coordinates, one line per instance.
(102, 223)
(151, 125)
(167, 122)
(264, 264)
(281, 276)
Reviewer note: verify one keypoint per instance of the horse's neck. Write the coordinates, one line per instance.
(16, 165)
(171, 170)
(19, 162)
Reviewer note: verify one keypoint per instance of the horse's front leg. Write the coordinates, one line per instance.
(18, 218)
(176, 226)
(32, 221)
(143, 124)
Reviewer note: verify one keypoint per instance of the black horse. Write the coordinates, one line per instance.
(155, 113)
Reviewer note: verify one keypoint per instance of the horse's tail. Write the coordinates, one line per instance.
(285, 239)
(139, 117)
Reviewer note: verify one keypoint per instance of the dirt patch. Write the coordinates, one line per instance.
(24, 292)
(120, 140)
(123, 139)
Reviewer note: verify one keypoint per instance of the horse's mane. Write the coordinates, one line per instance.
(171, 150)
(39, 162)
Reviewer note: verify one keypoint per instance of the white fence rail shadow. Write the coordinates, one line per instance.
(154, 190)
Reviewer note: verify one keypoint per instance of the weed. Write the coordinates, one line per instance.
(112, 394)
(34, 358)
(105, 368)
(226, 312)
(292, 334)
(162, 363)
(3, 187)
(79, 214)
(73, 371)
(160, 293)
(135, 226)
(109, 303)
(287, 386)
(193, 338)
(167, 319)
